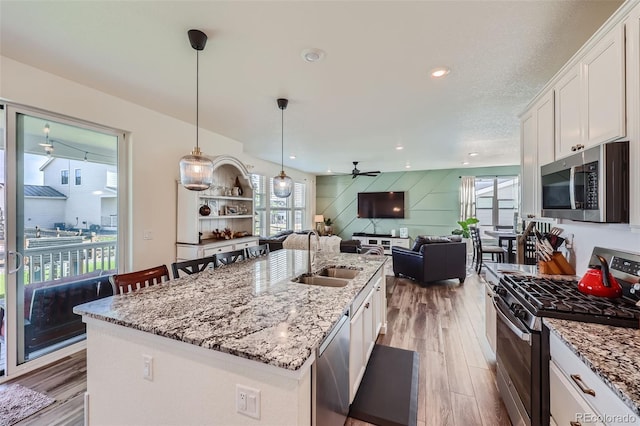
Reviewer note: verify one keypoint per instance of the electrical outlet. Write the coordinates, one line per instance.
(147, 367)
(248, 401)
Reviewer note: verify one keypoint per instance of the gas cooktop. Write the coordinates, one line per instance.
(559, 298)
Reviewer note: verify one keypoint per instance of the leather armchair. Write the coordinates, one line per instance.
(434, 262)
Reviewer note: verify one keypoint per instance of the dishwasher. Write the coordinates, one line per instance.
(332, 376)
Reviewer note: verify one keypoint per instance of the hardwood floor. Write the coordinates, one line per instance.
(443, 322)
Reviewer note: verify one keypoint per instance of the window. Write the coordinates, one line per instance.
(496, 201)
(64, 177)
(78, 176)
(275, 214)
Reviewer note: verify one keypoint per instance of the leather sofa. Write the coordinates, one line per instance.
(433, 260)
(275, 242)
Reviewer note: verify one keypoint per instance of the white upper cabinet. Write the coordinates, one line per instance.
(537, 148)
(604, 89)
(590, 97)
(568, 120)
(529, 164)
(545, 129)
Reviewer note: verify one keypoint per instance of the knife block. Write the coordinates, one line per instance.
(558, 265)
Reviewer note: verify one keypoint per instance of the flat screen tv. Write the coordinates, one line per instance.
(381, 205)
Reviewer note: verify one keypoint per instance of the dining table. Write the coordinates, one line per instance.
(509, 237)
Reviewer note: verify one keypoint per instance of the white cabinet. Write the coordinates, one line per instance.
(603, 72)
(368, 317)
(386, 242)
(632, 26)
(200, 234)
(537, 148)
(490, 309)
(568, 121)
(590, 97)
(575, 390)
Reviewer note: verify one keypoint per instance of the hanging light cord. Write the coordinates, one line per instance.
(197, 97)
(282, 141)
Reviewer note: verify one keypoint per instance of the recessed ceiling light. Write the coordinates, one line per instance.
(399, 148)
(474, 154)
(440, 72)
(329, 171)
(465, 163)
(407, 166)
(312, 55)
(292, 156)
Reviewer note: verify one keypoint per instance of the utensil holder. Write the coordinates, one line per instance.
(558, 265)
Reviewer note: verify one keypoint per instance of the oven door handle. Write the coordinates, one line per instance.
(504, 316)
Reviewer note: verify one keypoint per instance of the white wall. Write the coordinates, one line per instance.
(156, 144)
(589, 235)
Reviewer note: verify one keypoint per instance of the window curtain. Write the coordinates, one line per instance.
(467, 197)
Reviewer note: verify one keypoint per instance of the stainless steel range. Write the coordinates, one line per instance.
(522, 348)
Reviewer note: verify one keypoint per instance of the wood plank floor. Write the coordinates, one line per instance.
(443, 322)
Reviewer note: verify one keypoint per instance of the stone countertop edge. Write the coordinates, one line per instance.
(613, 353)
(250, 309)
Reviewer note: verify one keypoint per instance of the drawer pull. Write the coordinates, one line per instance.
(366, 305)
(583, 387)
(575, 423)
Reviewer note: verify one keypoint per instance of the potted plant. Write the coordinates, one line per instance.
(465, 232)
(464, 227)
(327, 226)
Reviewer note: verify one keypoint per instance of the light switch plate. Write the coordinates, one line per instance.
(147, 367)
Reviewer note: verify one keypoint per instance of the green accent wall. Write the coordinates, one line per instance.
(432, 199)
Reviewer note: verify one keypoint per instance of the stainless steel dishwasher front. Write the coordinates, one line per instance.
(332, 376)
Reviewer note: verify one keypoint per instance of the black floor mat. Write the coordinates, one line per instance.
(388, 393)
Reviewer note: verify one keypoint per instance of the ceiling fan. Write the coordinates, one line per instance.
(355, 172)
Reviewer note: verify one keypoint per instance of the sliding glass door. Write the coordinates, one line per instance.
(61, 195)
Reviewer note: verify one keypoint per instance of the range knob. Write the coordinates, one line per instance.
(518, 311)
(500, 291)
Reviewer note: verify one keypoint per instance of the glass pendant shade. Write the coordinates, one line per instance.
(282, 185)
(196, 171)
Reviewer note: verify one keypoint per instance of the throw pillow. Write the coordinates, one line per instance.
(419, 241)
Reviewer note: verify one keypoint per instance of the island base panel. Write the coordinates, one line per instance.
(189, 386)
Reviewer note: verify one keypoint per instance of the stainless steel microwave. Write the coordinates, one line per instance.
(591, 185)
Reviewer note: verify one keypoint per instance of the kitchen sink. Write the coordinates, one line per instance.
(337, 272)
(321, 280)
(330, 276)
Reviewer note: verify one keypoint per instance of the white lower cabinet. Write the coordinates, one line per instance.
(578, 396)
(568, 407)
(368, 316)
(197, 251)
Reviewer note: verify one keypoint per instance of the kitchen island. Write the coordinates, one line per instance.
(175, 353)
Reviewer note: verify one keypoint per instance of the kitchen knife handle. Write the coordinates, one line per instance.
(583, 387)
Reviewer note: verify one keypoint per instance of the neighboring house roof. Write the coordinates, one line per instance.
(42, 191)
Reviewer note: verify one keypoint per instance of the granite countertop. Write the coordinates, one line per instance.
(249, 309)
(613, 353)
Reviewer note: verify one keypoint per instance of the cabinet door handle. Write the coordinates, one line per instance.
(366, 305)
(583, 387)
(575, 423)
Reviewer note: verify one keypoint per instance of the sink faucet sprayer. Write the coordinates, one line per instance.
(309, 265)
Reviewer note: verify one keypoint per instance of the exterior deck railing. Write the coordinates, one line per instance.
(53, 262)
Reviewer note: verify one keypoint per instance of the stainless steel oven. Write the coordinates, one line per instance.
(522, 365)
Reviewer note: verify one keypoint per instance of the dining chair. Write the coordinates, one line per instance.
(497, 253)
(257, 251)
(229, 257)
(131, 281)
(193, 266)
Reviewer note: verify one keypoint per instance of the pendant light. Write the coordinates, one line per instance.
(196, 170)
(282, 183)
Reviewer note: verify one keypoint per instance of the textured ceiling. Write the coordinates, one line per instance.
(371, 92)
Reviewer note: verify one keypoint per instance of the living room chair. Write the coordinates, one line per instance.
(497, 253)
(257, 251)
(193, 266)
(433, 262)
(229, 257)
(125, 283)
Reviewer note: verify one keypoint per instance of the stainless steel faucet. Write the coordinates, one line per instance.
(309, 265)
